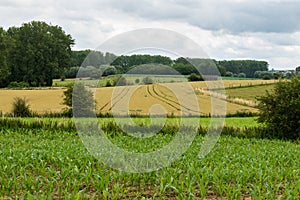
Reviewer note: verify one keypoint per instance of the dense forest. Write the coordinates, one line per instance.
(36, 53)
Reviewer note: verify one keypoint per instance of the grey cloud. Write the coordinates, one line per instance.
(236, 17)
(233, 16)
(153, 38)
(280, 39)
(227, 24)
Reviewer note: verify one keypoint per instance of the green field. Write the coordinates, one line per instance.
(131, 78)
(54, 164)
(249, 93)
(203, 121)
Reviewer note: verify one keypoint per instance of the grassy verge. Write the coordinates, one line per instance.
(68, 123)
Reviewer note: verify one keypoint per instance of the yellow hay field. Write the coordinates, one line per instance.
(140, 99)
(40, 101)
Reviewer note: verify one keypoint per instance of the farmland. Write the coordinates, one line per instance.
(50, 100)
(164, 126)
(46, 158)
(52, 163)
(248, 92)
(39, 100)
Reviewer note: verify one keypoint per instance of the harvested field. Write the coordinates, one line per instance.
(141, 98)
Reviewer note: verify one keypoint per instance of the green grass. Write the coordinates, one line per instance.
(237, 78)
(130, 79)
(249, 93)
(231, 121)
(44, 164)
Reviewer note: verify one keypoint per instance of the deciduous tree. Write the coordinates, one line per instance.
(39, 52)
(280, 109)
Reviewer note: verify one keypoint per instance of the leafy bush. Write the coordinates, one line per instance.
(242, 75)
(280, 110)
(108, 83)
(147, 80)
(195, 77)
(79, 100)
(110, 70)
(266, 77)
(18, 85)
(229, 74)
(277, 75)
(20, 108)
(122, 81)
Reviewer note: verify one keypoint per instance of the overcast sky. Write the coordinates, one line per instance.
(225, 29)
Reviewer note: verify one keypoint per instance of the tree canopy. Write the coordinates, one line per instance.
(280, 109)
(4, 46)
(37, 53)
(79, 100)
(249, 67)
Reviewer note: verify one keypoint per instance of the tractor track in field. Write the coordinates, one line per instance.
(161, 99)
(122, 96)
(170, 100)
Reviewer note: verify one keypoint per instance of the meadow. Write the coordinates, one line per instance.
(249, 93)
(50, 163)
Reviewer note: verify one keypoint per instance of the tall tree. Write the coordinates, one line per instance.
(280, 109)
(297, 69)
(39, 52)
(4, 70)
(79, 100)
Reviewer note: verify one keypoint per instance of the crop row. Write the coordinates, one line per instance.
(42, 164)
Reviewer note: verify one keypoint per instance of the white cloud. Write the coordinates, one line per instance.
(229, 29)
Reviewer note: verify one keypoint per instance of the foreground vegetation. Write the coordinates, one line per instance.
(53, 163)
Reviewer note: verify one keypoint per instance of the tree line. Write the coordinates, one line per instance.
(157, 64)
(36, 53)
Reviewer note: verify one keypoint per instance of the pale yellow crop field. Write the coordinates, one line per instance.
(136, 99)
(40, 101)
(143, 99)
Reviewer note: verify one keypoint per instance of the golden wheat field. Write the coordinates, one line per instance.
(40, 101)
(161, 99)
(169, 98)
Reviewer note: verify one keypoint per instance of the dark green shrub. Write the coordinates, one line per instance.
(122, 81)
(79, 100)
(280, 109)
(229, 74)
(20, 108)
(108, 83)
(147, 80)
(266, 77)
(18, 85)
(195, 77)
(242, 75)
